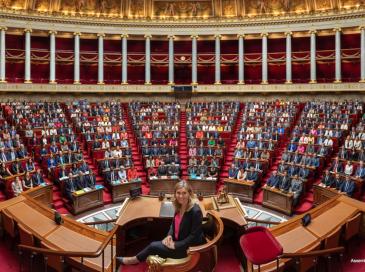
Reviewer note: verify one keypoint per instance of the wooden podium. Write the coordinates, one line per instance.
(121, 191)
(244, 190)
(322, 194)
(86, 201)
(163, 185)
(278, 200)
(42, 193)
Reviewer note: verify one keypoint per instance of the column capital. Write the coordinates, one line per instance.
(28, 30)
(288, 33)
(313, 31)
(148, 36)
(77, 34)
(194, 37)
(264, 34)
(241, 35)
(3, 28)
(124, 36)
(219, 36)
(171, 37)
(100, 35)
(337, 29)
(361, 27)
(52, 32)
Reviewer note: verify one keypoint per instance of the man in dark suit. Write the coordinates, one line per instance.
(296, 188)
(173, 170)
(284, 184)
(336, 166)
(273, 180)
(232, 172)
(348, 187)
(37, 178)
(327, 179)
(252, 175)
(162, 170)
(70, 187)
(360, 171)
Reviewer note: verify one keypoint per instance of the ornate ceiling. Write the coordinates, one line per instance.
(172, 9)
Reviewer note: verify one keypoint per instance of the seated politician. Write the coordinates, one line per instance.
(185, 230)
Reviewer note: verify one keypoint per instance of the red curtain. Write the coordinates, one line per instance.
(206, 74)
(112, 73)
(229, 47)
(159, 74)
(136, 74)
(300, 44)
(229, 73)
(206, 46)
(349, 41)
(300, 72)
(351, 70)
(183, 74)
(182, 47)
(253, 46)
(64, 60)
(40, 53)
(325, 71)
(15, 45)
(253, 73)
(276, 45)
(276, 73)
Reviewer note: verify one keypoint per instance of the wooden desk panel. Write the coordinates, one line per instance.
(70, 240)
(43, 194)
(277, 200)
(302, 237)
(329, 220)
(166, 186)
(121, 191)
(242, 189)
(322, 194)
(203, 186)
(33, 219)
(87, 201)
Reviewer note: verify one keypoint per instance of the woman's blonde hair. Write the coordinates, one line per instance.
(182, 184)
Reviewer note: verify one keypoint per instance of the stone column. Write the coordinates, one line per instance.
(194, 60)
(338, 55)
(2, 55)
(101, 58)
(171, 59)
(313, 64)
(27, 74)
(148, 60)
(264, 79)
(241, 61)
(52, 57)
(124, 59)
(77, 58)
(362, 50)
(217, 59)
(288, 58)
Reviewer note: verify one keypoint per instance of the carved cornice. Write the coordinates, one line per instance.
(237, 88)
(201, 23)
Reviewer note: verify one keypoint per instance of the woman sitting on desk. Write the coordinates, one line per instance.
(185, 230)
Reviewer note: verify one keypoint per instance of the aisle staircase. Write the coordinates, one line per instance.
(183, 148)
(136, 151)
(228, 155)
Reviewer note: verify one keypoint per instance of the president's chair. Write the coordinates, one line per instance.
(200, 258)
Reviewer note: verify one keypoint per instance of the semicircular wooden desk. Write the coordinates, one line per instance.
(75, 236)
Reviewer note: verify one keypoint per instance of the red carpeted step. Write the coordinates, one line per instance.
(303, 207)
(258, 197)
(107, 197)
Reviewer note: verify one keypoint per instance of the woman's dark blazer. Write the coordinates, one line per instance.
(190, 231)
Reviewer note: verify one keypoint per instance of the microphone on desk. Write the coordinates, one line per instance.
(58, 218)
